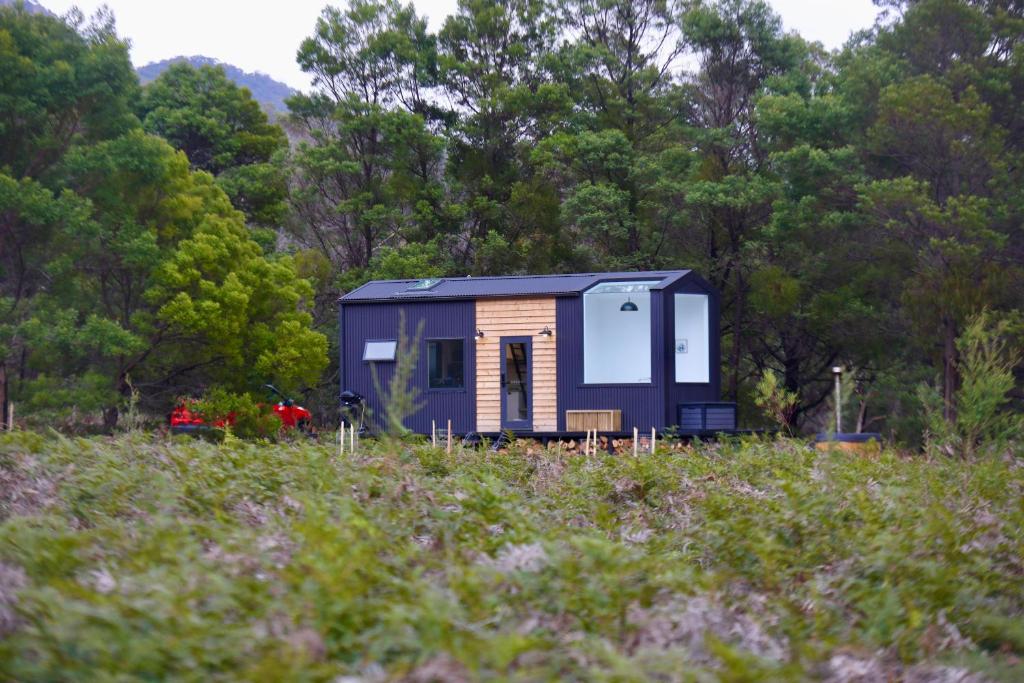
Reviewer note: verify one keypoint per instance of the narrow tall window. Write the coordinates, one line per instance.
(692, 339)
(617, 333)
(445, 364)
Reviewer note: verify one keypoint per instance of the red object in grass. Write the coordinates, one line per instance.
(186, 417)
(292, 415)
(185, 414)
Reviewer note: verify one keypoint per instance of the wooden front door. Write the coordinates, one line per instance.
(516, 383)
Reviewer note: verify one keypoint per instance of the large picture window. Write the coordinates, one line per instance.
(617, 333)
(691, 339)
(445, 364)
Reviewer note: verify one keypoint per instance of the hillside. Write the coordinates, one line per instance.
(269, 93)
(32, 7)
(137, 557)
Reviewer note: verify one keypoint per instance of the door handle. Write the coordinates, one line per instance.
(503, 379)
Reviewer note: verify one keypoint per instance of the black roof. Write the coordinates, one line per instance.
(503, 286)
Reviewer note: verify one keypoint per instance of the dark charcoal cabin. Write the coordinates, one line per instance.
(545, 355)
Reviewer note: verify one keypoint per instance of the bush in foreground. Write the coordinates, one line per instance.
(143, 557)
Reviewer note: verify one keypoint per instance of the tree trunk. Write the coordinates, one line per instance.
(110, 416)
(737, 347)
(950, 375)
(4, 418)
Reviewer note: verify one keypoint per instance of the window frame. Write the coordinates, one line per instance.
(707, 335)
(426, 349)
(394, 350)
(651, 284)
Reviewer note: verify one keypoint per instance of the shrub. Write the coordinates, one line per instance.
(777, 402)
(245, 417)
(983, 418)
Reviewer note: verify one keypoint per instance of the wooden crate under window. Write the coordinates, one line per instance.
(601, 420)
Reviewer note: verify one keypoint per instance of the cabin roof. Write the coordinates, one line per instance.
(502, 286)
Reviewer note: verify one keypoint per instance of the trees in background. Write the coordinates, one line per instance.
(858, 207)
(223, 131)
(124, 270)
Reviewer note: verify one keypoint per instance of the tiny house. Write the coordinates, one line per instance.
(545, 355)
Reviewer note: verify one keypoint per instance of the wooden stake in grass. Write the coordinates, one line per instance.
(449, 447)
(636, 440)
(10, 416)
(352, 439)
(654, 435)
(433, 433)
(341, 440)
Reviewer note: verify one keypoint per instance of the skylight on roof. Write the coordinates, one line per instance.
(423, 285)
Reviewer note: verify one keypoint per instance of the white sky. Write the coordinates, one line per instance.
(257, 36)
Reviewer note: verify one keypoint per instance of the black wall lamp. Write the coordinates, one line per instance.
(628, 306)
(546, 332)
(479, 333)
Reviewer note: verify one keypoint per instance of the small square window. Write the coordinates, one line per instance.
(445, 364)
(380, 350)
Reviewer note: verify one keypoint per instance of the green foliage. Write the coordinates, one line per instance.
(248, 419)
(857, 206)
(62, 84)
(223, 131)
(984, 420)
(124, 275)
(777, 402)
(270, 94)
(756, 560)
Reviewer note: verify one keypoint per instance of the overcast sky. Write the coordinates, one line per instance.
(258, 36)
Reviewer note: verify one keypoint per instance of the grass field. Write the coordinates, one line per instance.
(138, 557)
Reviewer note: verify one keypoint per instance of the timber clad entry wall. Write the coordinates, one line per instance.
(498, 318)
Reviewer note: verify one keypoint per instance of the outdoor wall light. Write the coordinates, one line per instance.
(628, 306)
(546, 332)
(479, 333)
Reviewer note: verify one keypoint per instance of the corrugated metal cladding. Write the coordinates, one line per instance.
(441, 320)
(691, 393)
(515, 285)
(642, 406)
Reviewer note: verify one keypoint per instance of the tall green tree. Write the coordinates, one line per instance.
(742, 52)
(609, 158)
(223, 131)
(123, 269)
(160, 286)
(368, 174)
(495, 69)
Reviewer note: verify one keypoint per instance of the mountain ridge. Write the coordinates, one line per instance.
(270, 93)
(32, 7)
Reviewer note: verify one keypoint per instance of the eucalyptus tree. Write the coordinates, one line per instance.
(943, 144)
(741, 52)
(620, 60)
(367, 167)
(495, 75)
